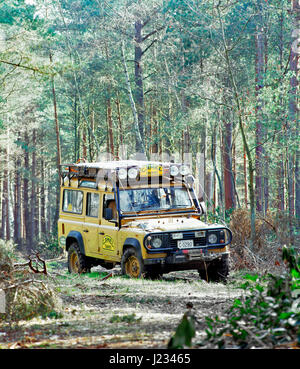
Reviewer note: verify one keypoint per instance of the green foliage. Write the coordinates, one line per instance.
(49, 247)
(53, 314)
(268, 314)
(184, 334)
(218, 216)
(130, 318)
(7, 249)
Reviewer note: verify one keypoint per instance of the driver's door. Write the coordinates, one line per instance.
(91, 223)
(108, 230)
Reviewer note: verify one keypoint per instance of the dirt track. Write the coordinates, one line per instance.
(119, 312)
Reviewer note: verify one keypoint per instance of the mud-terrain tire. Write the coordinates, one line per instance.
(216, 270)
(132, 264)
(77, 262)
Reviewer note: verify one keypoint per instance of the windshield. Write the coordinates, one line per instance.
(154, 199)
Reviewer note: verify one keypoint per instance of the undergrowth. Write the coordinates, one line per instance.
(266, 316)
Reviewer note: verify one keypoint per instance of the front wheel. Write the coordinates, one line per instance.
(132, 264)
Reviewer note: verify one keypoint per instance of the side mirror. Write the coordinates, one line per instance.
(108, 214)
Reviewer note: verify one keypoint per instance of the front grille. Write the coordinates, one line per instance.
(168, 243)
(198, 241)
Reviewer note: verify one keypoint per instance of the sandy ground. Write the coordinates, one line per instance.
(119, 312)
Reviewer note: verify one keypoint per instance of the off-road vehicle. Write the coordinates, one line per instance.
(142, 215)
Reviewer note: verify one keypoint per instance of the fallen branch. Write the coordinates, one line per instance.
(106, 277)
(36, 268)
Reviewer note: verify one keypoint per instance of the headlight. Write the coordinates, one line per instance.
(212, 238)
(156, 242)
(174, 170)
(184, 170)
(132, 173)
(122, 174)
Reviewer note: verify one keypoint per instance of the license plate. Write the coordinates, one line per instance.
(185, 244)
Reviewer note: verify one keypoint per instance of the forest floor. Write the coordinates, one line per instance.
(119, 312)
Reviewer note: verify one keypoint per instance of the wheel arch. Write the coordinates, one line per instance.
(133, 243)
(75, 236)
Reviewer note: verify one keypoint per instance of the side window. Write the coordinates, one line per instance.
(92, 204)
(72, 202)
(109, 202)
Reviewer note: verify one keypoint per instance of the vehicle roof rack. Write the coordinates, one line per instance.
(110, 172)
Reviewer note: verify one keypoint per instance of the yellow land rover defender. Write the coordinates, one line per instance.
(142, 215)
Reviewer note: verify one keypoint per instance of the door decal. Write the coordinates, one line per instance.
(108, 243)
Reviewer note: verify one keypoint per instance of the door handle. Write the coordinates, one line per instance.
(85, 230)
(101, 233)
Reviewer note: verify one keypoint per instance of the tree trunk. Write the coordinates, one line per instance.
(140, 148)
(58, 153)
(49, 212)
(26, 212)
(280, 175)
(110, 127)
(265, 151)
(245, 178)
(2, 228)
(120, 152)
(91, 143)
(293, 113)
(75, 129)
(43, 200)
(138, 72)
(154, 131)
(33, 189)
(259, 42)
(293, 129)
(84, 148)
(5, 231)
(227, 162)
(17, 202)
(7, 181)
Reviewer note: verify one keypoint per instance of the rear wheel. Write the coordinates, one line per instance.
(132, 264)
(76, 260)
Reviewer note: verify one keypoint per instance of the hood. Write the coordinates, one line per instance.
(169, 224)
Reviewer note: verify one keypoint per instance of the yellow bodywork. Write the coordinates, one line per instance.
(102, 239)
(82, 213)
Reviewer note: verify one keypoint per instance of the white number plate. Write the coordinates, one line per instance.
(185, 244)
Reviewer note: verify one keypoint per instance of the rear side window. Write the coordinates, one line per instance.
(72, 202)
(92, 204)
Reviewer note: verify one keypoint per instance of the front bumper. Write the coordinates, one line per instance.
(186, 257)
